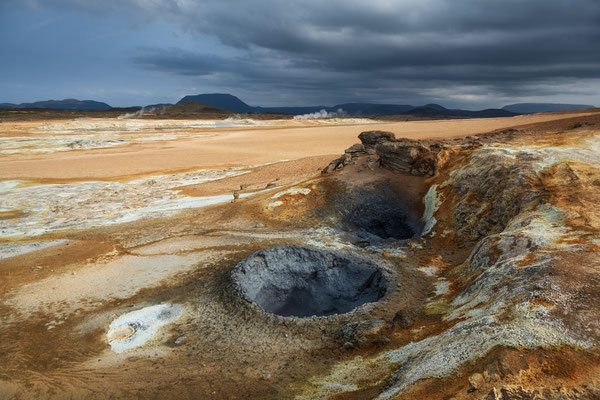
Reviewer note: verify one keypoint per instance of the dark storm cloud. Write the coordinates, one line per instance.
(379, 47)
(181, 62)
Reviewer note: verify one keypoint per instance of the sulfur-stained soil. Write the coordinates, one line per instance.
(494, 295)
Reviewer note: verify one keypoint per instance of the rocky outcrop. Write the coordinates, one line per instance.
(349, 157)
(335, 164)
(405, 155)
(495, 190)
(370, 139)
(402, 155)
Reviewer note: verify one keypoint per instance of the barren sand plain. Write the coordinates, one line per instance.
(117, 238)
(152, 147)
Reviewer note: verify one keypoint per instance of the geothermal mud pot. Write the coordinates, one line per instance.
(432, 269)
(303, 281)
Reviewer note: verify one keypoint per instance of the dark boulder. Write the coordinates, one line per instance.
(371, 138)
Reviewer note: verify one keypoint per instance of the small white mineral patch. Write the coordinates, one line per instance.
(274, 204)
(432, 203)
(134, 329)
(13, 249)
(292, 191)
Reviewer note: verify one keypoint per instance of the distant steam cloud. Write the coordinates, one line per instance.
(160, 110)
(136, 114)
(322, 114)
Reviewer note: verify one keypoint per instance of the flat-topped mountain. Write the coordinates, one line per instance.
(221, 100)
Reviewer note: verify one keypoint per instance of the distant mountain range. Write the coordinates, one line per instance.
(67, 104)
(234, 104)
(230, 102)
(532, 108)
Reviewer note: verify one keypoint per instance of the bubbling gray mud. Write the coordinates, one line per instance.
(303, 281)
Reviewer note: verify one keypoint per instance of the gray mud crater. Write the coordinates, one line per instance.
(302, 281)
(377, 211)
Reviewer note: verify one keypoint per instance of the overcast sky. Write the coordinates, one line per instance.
(459, 53)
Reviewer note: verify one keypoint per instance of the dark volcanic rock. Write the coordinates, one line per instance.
(350, 154)
(371, 138)
(405, 155)
(355, 149)
(335, 164)
(402, 320)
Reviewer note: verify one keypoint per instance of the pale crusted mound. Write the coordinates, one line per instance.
(531, 281)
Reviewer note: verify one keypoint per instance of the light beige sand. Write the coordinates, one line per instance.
(230, 147)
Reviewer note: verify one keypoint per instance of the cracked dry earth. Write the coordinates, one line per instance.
(489, 247)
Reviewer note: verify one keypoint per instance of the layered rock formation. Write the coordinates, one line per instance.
(401, 155)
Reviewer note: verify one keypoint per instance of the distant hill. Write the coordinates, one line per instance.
(348, 108)
(372, 108)
(158, 105)
(487, 113)
(67, 104)
(221, 100)
(292, 110)
(531, 108)
(196, 106)
(435, 106)
(186, 110)
(428, 112)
